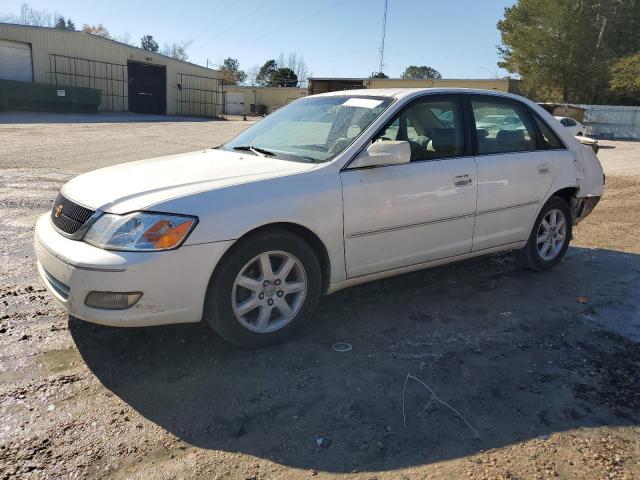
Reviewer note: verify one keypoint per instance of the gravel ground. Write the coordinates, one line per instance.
(542, 369)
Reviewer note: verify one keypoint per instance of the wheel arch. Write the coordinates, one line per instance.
(566, 193)
(312, 239)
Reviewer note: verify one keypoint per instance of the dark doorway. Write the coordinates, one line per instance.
(147, 88)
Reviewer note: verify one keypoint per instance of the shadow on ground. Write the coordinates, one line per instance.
(515, 352)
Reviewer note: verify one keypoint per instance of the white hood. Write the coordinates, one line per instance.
(142, 184)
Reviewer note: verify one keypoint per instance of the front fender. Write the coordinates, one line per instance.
(311, 199)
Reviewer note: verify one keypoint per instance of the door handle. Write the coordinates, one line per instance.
(462, 180)
(544, 168)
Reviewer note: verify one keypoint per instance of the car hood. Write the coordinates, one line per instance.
(140, 185)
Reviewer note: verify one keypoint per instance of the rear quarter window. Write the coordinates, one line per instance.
(549, 139)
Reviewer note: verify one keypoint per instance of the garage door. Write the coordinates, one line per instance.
(15, 61)
(147, 88)
(234, 104)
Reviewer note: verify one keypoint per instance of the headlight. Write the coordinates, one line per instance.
(140, 231)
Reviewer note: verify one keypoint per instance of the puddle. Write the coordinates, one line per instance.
(56, 361)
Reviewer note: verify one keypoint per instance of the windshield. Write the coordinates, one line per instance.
(311, 129)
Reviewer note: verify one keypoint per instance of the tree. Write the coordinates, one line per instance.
(177, 50)
(98, 30)
(283, 77)
(625, 78)
(295, 62)
(252, 76)
(418, 73)
(124, 38)
(563, 49)
(230, 71)
(379, 75)
(62, 24)
(149, 44)
(265, 73)
(30, 16)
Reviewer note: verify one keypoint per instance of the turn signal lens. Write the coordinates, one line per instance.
(140, 231)
(165, 235)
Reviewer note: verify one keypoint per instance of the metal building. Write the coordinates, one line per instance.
(322, 85)
(129, 78)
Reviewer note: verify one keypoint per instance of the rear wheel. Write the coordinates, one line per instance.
(264, 289)
(550, 237)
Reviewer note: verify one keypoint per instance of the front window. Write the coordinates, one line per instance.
(432, 126)
(312, 129)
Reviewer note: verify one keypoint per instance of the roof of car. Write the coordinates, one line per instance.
(408, 92)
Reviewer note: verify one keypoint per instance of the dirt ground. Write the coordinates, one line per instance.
(533, 375)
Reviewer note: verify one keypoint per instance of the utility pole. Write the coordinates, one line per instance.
(384, 32)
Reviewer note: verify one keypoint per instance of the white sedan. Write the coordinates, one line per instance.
(331, 191)
(574, 126)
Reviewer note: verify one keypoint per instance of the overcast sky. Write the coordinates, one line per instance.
(336, 37)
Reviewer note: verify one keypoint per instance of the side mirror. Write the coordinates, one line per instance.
(384, 152)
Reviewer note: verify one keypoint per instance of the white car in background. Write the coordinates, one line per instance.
(330, 191)
(574, 126)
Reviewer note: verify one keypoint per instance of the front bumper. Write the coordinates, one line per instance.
(173, 283)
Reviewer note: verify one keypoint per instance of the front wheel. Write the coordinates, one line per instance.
(550, 237)
(265, 288)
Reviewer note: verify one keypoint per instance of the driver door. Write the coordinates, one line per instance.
(401, 215)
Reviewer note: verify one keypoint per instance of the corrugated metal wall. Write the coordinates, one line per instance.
(612, 121)
(79, 59)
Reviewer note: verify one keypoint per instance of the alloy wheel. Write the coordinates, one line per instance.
(551, 234)
(269, 291)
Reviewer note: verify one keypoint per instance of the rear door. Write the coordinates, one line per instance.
(515, 170)
(401, 215)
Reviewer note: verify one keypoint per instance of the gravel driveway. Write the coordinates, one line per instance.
(543, 370)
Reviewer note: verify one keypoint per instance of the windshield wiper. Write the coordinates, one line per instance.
(261, 152)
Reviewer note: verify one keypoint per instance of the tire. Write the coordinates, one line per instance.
(579, 134)
(534, 256)
(251, 308)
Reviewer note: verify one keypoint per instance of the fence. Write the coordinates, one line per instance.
(199, 95)
(109, 78)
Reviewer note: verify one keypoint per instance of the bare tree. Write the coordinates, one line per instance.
(295, 62)
(252, 76)
(30, 16)
(177, 50)
(125, 38)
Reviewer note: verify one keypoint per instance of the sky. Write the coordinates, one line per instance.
(337, 38)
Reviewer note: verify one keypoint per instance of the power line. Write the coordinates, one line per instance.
(384, 32)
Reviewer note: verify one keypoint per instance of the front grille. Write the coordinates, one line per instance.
(68, 216)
